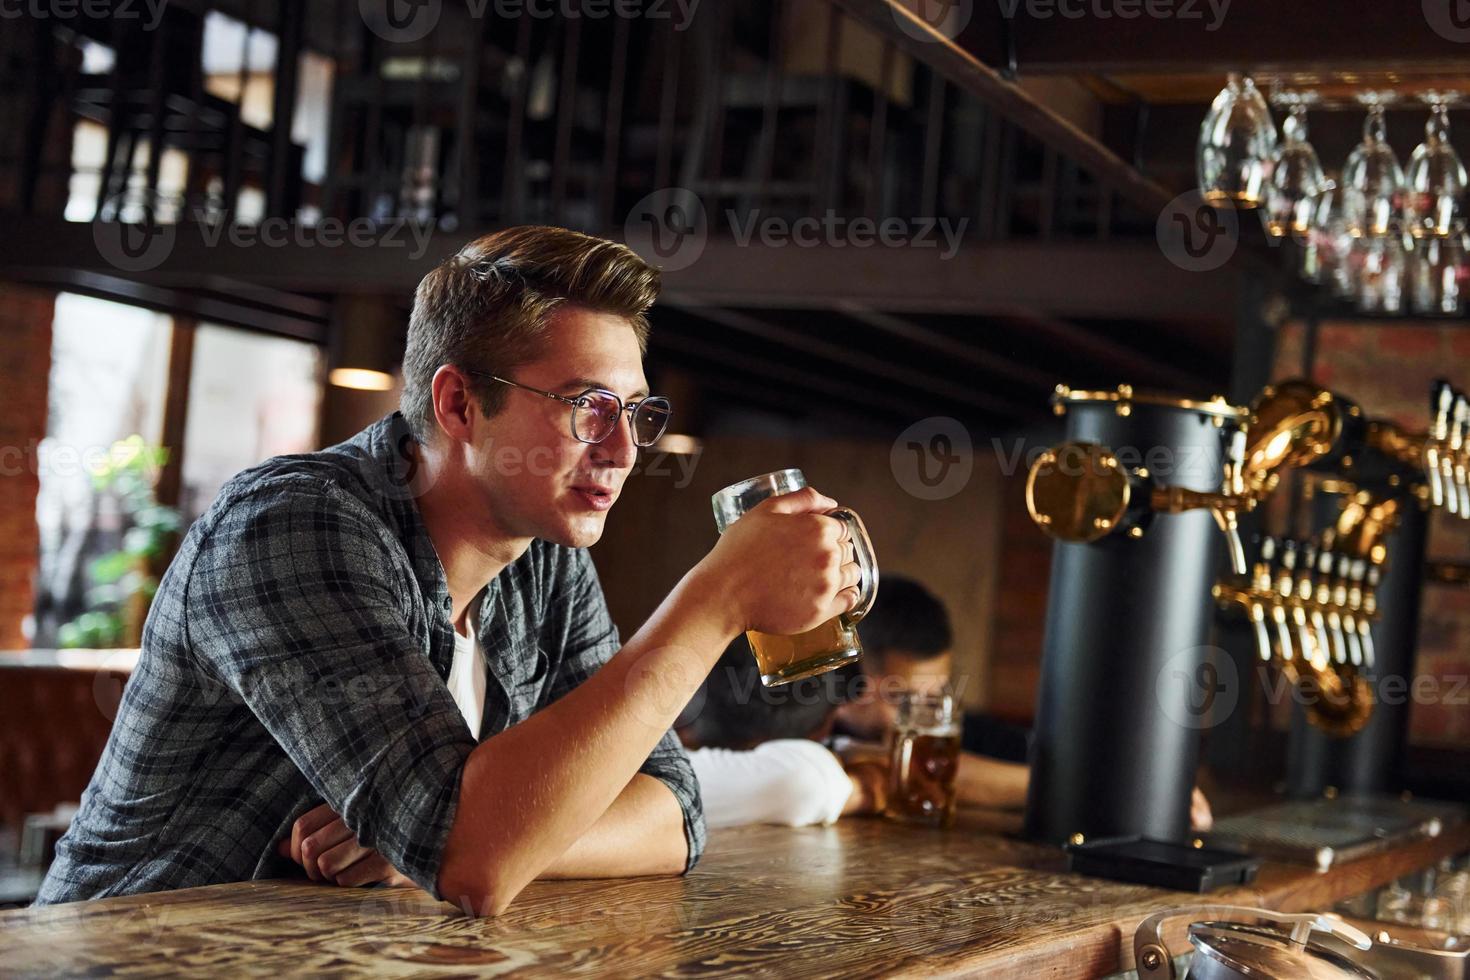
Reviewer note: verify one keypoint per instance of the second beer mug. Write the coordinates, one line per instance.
(783, 659)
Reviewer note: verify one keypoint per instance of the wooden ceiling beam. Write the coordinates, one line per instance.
(844, 356)
(896, 22)
(948, 347)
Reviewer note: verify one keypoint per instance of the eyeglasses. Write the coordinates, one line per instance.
(595, 412)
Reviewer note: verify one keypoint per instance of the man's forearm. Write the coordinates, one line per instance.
(528, 794)
(991, 782)
(642, 833)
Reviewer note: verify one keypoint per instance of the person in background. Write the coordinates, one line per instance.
(757, 751)
(907, 641)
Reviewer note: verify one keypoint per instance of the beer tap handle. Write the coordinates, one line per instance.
(1441, 402)
(1457, 453)
(1342, 597)
(1258, 624)
(1365, 622)
(1325, 598)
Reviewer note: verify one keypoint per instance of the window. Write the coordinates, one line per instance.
(109, 370)
(251, 397)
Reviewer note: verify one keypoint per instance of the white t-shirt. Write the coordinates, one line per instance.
(467, 673)
(789, 781)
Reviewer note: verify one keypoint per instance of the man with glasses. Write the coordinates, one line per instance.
(392, 660)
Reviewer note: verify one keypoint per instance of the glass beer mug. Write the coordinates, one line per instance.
(783, 659)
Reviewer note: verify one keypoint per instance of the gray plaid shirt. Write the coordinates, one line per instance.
(296, 653)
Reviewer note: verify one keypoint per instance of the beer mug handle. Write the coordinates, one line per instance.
(862, 547)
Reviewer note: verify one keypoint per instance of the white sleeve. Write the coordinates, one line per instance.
(790, 781)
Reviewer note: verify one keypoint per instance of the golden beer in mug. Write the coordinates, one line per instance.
(783, 659)
(924, 760)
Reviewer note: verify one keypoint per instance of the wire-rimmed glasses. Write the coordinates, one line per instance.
(595, 412)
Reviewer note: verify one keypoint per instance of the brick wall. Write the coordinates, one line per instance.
(25, 363)
(1387, 368)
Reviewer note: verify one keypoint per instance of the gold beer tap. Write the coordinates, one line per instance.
(1458, 453)
(1250, 595)
(1286, 587)
(1325, 599)
(1371, 577)
(1271, 555)
(1342, 600)
(1357, 603)
(1080, 492)
(1340, 698)
(1442, 404)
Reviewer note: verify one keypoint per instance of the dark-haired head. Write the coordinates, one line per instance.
(906, 647)
(734, 710)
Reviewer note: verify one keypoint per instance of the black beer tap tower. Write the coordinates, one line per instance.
(1133, 498)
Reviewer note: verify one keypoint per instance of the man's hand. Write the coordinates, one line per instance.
(1200, 817)
(322, 844)
(786, 567)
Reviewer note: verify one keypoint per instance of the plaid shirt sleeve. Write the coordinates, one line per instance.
(590, 640)
(290, 603)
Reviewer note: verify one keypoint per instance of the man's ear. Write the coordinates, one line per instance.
(454, 402)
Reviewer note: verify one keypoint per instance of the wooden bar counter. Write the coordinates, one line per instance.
(862, 898)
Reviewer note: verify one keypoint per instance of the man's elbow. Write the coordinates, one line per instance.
(476, 891)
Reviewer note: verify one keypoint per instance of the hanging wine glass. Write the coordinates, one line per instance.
(1297, 181)
(1440, 273)
(1380, 266)
(1373, 181)
(1328, 243)
(1237, 145)
(1436, 177)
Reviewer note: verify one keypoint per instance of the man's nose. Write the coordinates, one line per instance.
(618, 449)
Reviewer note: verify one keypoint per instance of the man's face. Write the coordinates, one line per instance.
(542, 482)
(872, 715)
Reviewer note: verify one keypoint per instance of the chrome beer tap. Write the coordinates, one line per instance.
(1342, 601)
(1357, 602)
(1458, 450)
(1271, 556)
(1442, 404)
(1286, 588)
(1324, 615)
(1306, 592)
(1371, 579)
